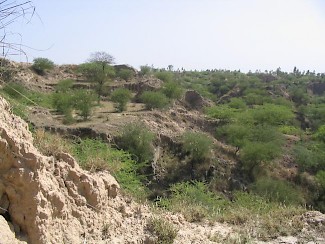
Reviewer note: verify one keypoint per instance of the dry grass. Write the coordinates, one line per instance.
(51, 144)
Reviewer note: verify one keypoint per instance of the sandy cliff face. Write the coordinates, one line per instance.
(45, 199)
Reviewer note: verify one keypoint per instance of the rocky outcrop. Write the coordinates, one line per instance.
(47, 200)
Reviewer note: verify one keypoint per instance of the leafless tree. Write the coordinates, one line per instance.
(10, 12)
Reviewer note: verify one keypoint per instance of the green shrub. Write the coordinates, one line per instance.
(272, 114)
(235, 134)
(320, 133)
(306, 158)
(154, 99)
(66, 101)
(145, 69)
(172, 90)
(254, 153)
(121, 96)
(277, 191)
(199, 201)
(84, 102)
(137, 139)
(125, 74)
(64, 85)
(222, 112)
(163, 230)
(164, 76)
(197, 144)
(290, 130)
(63, 102)
(237, 103)
(320, 177)
(254, 99)
(40, 65)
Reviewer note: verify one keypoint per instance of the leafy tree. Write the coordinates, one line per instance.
(40, 65)
(121, 96)
(102, 58)
(97, 72)
(154, 99)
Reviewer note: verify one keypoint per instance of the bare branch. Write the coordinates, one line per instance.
(10, 12)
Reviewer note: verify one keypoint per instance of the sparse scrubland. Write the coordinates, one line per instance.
(259, 165)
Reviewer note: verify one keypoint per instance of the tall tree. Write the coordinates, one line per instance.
(102, 58)
(98, 70)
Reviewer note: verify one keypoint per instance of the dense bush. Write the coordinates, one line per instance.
(277, 191)
(64, 85)
(80, 100)
(137, 139)
(121, 96)
(144, 70)
(154, 99)
(254, 153)
(197, 144)
(84, 102)
(320, 133)
(221, 112)
(164, 76)
(199, 201)
(172, 90)
(63, 102)
(125, 74)
(237, 103)
(40, 65)
(272, 114)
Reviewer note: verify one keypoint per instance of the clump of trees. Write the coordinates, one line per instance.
(66, 100)
(98, 70)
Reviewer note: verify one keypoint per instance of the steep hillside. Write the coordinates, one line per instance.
(216, 161)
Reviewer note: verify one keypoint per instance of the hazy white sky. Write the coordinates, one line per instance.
(194, 34)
